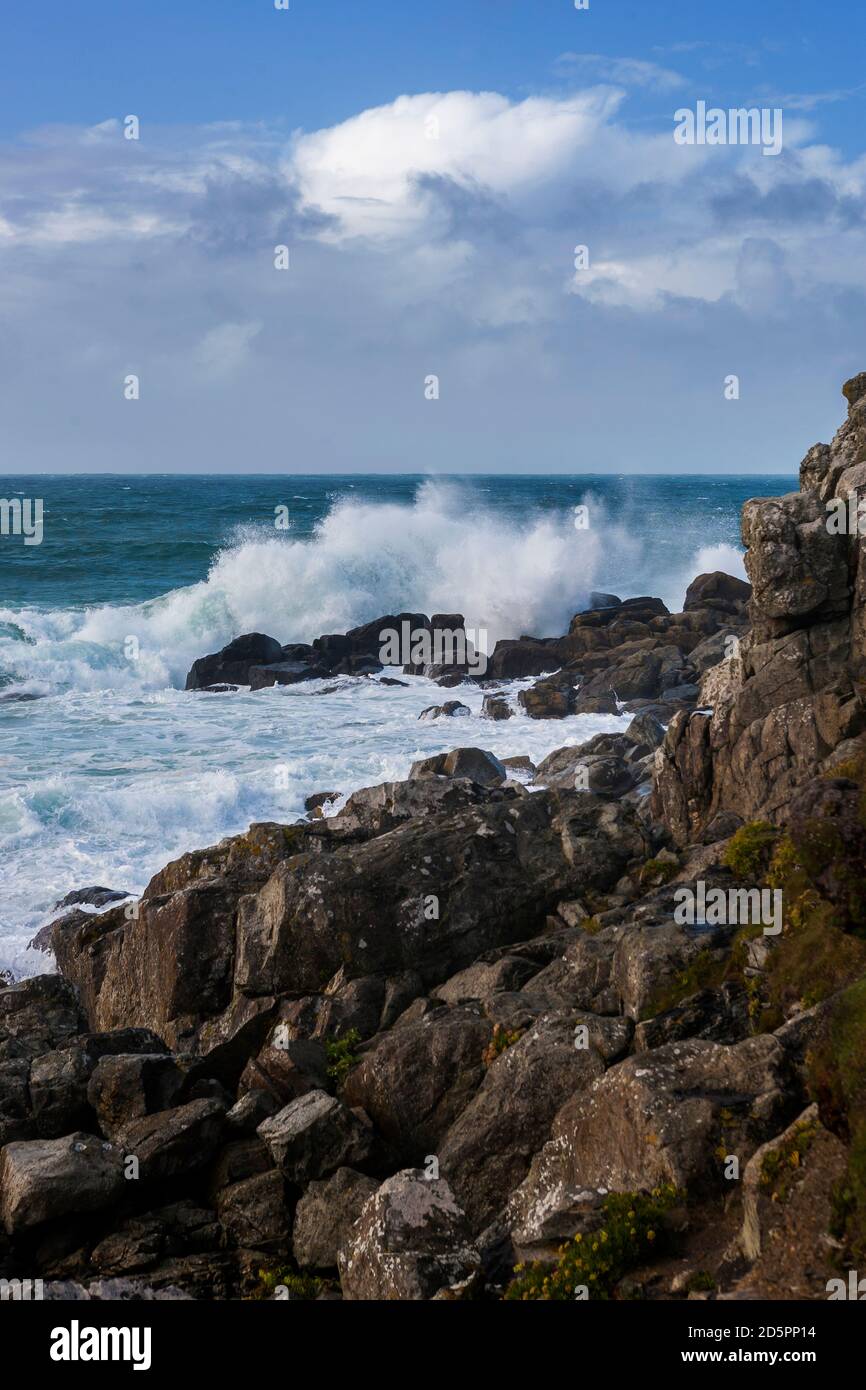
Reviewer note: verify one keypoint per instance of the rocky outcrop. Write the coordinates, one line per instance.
(790, 692)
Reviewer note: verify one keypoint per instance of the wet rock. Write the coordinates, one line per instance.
(232, 663)
(450, 710)
(496, 707)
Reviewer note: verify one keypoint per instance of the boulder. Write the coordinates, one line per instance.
(487, 1151)
(233, 662)
(254, 1215)
(496, 707)
(314, 1135)
(173, 1142)
(46, 1179)
(431, 895)
(473, 763)
(410, 1241)
(326, 1215)
(669, 1116)
(416, 1079)
(450, 710)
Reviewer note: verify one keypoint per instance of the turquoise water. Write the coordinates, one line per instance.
(108, 768)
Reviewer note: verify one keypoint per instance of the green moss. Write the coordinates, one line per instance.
(342, 1056)
(748, 854)
(633, 1230)
(658, 871)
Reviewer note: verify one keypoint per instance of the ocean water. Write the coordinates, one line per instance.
(108, 768)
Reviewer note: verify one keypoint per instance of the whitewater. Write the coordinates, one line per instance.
(109, 768)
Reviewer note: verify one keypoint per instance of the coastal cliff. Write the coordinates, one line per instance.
(459, 1036)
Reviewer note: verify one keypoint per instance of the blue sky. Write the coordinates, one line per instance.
(412, 256)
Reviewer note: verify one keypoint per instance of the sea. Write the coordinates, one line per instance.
(109, 768)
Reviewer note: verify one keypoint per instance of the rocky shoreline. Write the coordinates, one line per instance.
(458, 1040)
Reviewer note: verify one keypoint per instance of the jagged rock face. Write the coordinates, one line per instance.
(429, 896)
(793, 693)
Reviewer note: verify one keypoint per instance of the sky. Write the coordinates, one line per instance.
(430, 169)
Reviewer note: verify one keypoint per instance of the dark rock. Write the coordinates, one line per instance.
(416, 1079)
(95, 897)
(496, 707)
(125, 1088)
(325, 1217)
(718, 591)
(450, 709)
(314, 1135)
(174, 1142)
(232, 664)
(473, 763)
(44, 1179)
(254, 1215)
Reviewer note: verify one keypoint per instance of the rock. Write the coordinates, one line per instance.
(416, 1079)
(473, 763)
(232, 664)
(718, 591)
(125, 1088)
(326, 1215)
(173, 1142)
(40, 1013)
(581, 770)
(410, 1241)
(141, 1242)
(487, 1151)
(287, 1067)
(375, 810)
(315, 805)
(496, 870)
(284, 673)
(595, 704)
(552, 698)
(254, 1215)
(485, 978)
(45, 1179)
(95, 897)
(496, 707)
(646, 732)
(520, 764)
(602, 600)
(721, 1015)
(450, 710)
(668, 1116)
(251, 1110)
(314, 1135)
